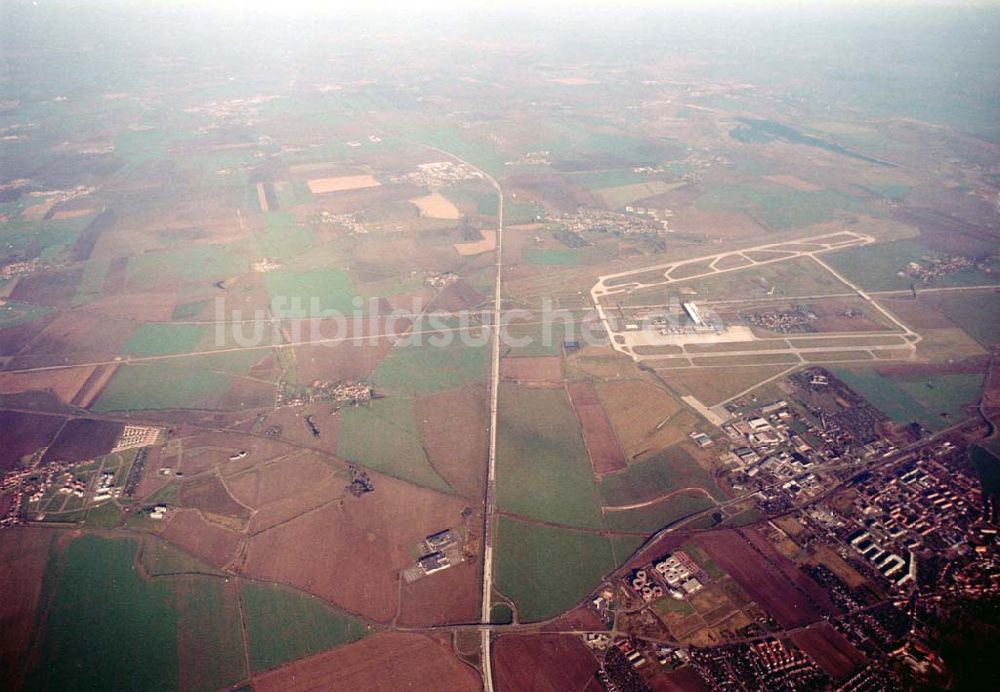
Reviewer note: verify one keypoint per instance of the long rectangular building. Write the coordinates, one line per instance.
(692, 312)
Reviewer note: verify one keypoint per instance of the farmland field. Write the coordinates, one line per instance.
(547, 570)
(283, 238)
(159, 339)
(428, 368)
(196, 382)
(383, 435)
(283, 625)
(72, 653)
(302, 375)
(921, 400)
(878, 267)
(311, 293)
(94, 611)
(797, 277)
(543, 470)
(384, 661)
(319, 186)
(977, 313)
(659, 514)
(667, 471)
(780, 207)
(559, 257)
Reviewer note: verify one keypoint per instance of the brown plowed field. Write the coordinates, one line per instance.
(969, 366)
(24, 553)
(75, 333)
(917, 314)
(64, 384)
(114, 280)
(813, 591)
(295, 431)
(205, 449)
(13, 339)
(830, 649)
(452, 427)
(554, 192)
(765, 584)
(602, 445)
(270, 483)
(48, 288)
(461, 295)
(23, 433)
(541, 663)
(451, 596)
(636, 408)
(346, 360)
(247, 393)
(384, 661)
(210, 495)
(94, 385)
(212, 543)
(533, 369)
(151, 480)
(350, 552)
(580, 618)
(136, 304)
(82, 439)
(682, 680)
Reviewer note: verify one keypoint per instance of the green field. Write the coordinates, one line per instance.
(624, 546)
(91, 281)
(160, 558)
(672, 469)
(597, 180)
(545, 570)
(151, 339)
(283, 237)
(383, 436)
(104, 516)
(778, 207)
(108, 628)
(612, 150)
(45, 240)
(12, 314)
(426, 368)
(311, 292)
(190, 382)
(977, 313)
(554, 258)
(451, 140)
(501, 614)
(284, 625)
(210, 632)
(194, 263)
(703, 560)
(877, 267)
(517, 213)
(543, 470)
(98, 605)
(187, 311)
(669, 604)
(618, 197)
(799, 276)
(922, 401)
(656, 516)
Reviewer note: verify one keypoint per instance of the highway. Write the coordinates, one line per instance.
(487, 596)
(487, 599)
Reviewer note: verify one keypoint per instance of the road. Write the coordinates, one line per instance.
(487, 596)
(487, 599)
